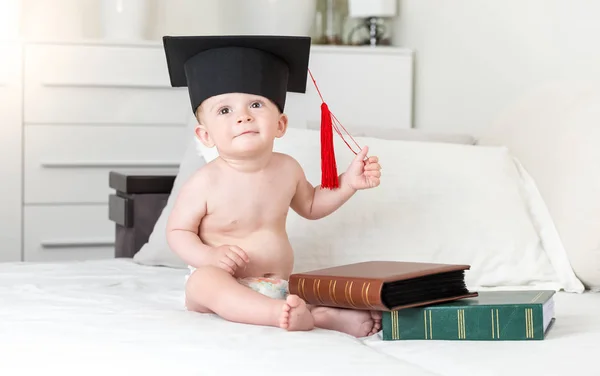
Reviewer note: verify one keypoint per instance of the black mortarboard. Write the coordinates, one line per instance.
(269, 66)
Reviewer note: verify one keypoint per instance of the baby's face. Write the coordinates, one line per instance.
(240, 124)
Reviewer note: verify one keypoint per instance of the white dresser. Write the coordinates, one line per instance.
(89, 108)
(10, 151)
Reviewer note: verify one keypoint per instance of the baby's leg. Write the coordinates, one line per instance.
(354, 322)
(210, 289)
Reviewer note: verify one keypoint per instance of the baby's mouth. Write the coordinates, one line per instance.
(247, 133)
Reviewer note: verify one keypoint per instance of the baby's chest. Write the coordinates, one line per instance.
(250, 203)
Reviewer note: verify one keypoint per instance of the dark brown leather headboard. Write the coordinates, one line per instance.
(136, 206)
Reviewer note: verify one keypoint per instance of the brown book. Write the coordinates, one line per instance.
(381, 285)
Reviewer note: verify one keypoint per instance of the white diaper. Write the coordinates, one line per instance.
(271, 287)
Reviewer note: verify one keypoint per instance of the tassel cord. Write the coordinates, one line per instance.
(335, 122)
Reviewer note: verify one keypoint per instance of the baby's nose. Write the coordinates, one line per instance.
(244, 119)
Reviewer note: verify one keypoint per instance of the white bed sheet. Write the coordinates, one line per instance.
(116, 317)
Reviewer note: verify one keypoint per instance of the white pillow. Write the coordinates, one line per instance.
(555, 133)
(437, 202)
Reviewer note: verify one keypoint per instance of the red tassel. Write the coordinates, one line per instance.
(329, 175)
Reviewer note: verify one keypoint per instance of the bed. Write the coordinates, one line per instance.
(489, 206)
(116, 317)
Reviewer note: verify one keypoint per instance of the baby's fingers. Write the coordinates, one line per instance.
(236, 259)
(240, 252)
(224, 264)
(372, 167)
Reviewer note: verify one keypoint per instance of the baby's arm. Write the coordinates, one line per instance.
(313, 202)
(183, 227)
(184, 222)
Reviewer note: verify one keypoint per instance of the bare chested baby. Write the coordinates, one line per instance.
(228, 222)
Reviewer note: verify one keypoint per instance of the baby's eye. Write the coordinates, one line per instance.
(256, 105)
(224, 111)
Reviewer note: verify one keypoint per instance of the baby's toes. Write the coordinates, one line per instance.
(376, 328)
(284, 318)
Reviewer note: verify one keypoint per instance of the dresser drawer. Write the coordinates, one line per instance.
(56, 233)
(71, 164)
(101, 84)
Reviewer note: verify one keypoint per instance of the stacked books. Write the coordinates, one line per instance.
(426, 301)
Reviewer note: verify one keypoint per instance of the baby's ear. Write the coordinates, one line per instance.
(282, 125)
(203, 136)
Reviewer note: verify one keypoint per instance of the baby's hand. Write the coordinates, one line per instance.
(229, 258)
(363, 174)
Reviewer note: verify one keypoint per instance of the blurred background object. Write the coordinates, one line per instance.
(372, 14)
(124, 19)
(281, 17)
(330, 20)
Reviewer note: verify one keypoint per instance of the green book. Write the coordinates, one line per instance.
(491, 316)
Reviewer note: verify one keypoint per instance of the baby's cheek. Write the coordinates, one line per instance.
(223, 134)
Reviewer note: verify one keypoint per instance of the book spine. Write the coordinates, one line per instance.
(339, 293)
(483, 323)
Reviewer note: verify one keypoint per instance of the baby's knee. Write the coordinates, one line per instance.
(201, 284)
(207, 273)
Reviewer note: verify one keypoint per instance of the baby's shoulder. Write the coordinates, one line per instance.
(288, 166)
(203, 175)
(285, 160)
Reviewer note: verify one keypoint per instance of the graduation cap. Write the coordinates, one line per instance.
(269, 66)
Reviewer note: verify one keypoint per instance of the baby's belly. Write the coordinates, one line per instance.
(269, 250)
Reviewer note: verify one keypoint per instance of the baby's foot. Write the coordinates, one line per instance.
(295, 315)
(356, 323)
(376, 316)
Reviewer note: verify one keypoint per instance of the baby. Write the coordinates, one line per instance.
(229, 220)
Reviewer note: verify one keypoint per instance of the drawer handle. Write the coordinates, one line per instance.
(113, 164)
(73, 243)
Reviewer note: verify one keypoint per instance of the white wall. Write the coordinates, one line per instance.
(72, 19)
(474, 57)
